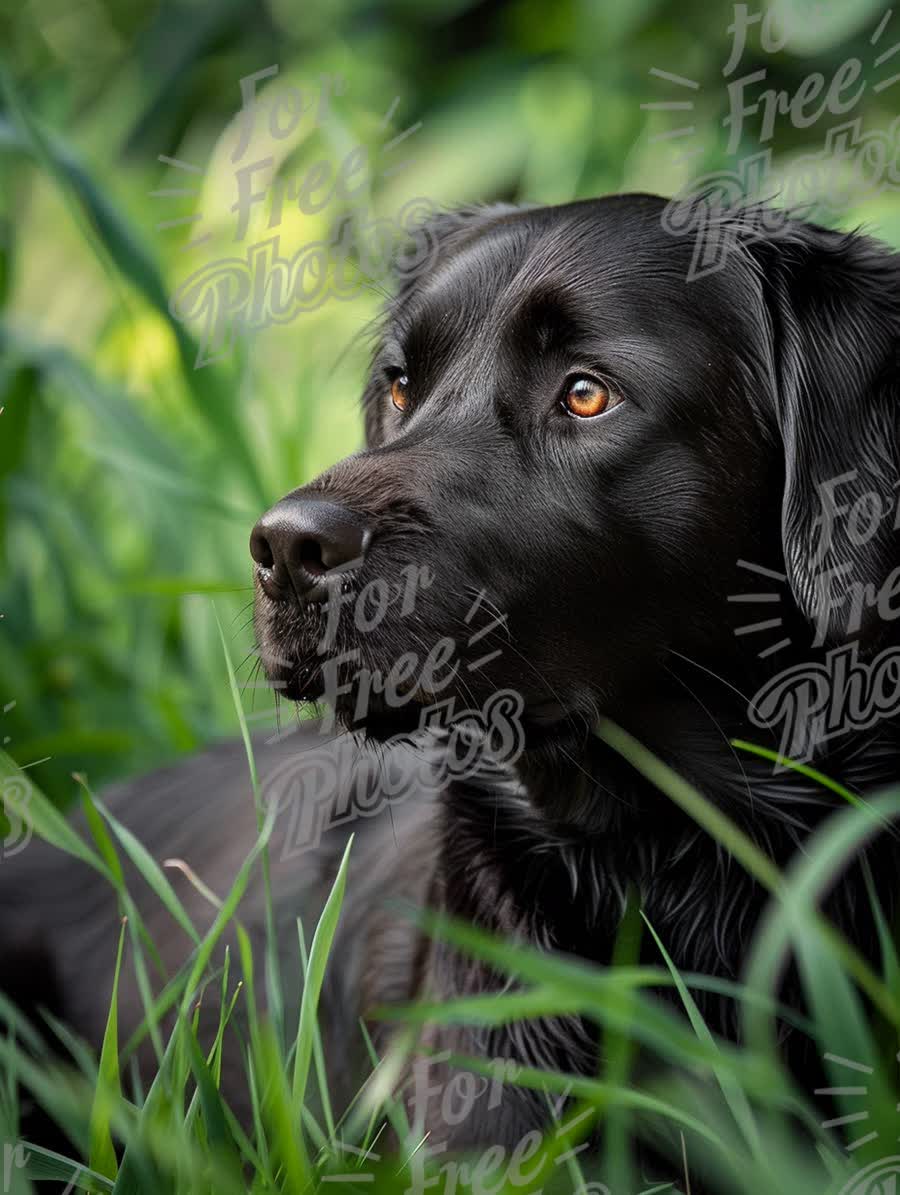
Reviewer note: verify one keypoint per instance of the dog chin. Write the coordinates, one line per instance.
(372, 716)
(382, 723)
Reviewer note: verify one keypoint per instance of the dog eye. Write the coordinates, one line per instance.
(586, 398)
(399, 391)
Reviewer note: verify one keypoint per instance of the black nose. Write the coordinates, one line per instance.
(301, 540)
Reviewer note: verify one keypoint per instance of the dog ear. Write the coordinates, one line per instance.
(833, 303)
(431, 241)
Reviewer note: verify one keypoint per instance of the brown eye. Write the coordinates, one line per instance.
(586, 397)
(399, 388)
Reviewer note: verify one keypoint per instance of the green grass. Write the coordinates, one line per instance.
(129, 481)
(730, 1114)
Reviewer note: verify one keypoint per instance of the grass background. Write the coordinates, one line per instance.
(128, 479)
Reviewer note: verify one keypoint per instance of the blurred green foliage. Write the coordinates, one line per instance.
(129, 480)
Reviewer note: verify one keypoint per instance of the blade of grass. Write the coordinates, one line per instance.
(312, 989)
(285, 1136)
(219, 1139)
(803, 769)
(102, 1157)
(318, 1052)
(119, 251)
(274, 988)
(46, 1165)
(744, 850)
(150, 870)
(618, 1051)
(47, 822)
(734, 1095)
(604, 996)
(592, 1090)
(793, 925)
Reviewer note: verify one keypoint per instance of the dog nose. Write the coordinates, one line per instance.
(301, 540)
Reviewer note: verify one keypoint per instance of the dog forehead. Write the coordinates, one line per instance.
(473, 276)
(595, 263)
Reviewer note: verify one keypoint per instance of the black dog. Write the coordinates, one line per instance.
(593, 475)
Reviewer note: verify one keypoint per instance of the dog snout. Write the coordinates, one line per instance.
(301, 541)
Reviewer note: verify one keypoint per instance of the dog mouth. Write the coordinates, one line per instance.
(360, 698)
(301, 685)
(382, 681)
(357, 702)
(500, 717)
(404, 668)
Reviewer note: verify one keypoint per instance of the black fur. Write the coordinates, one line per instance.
(612, 548)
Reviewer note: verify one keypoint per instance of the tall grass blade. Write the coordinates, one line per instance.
(315, 975)
(108, 1090)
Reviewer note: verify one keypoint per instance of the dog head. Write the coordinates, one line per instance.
(571, 445)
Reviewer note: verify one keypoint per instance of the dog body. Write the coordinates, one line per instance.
(601, 464)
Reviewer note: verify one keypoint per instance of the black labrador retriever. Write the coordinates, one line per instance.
(597, 484)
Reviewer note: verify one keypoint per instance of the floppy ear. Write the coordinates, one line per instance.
(833, 301)
(431, 242)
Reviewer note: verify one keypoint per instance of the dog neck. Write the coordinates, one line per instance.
(553, 851)
(553, 854)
